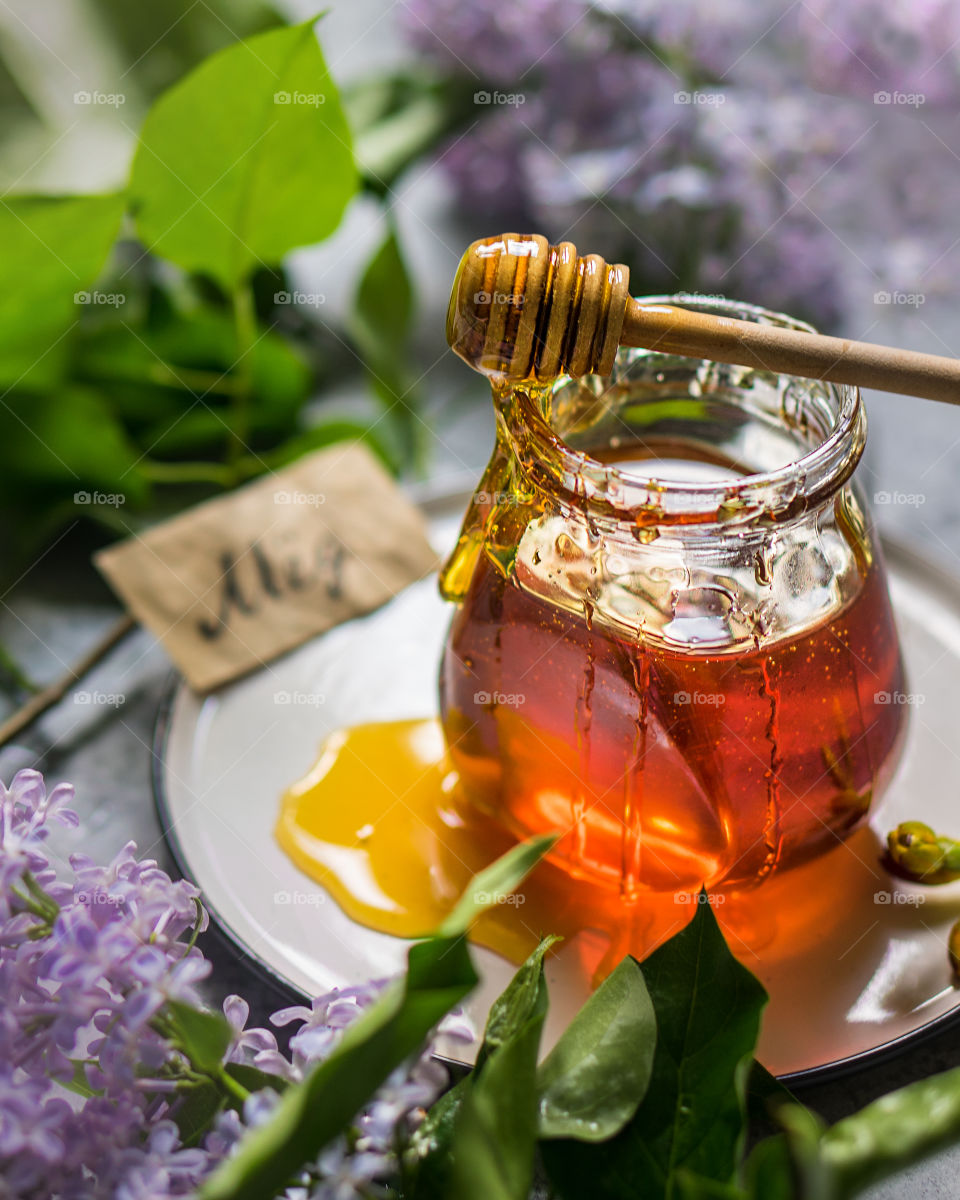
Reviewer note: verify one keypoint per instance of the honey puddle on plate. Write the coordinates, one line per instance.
(379, 823)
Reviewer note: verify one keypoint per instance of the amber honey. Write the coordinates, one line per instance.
(663, 768)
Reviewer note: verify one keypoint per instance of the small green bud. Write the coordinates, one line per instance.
(923, 856)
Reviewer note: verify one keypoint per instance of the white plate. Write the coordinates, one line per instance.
(874, 977)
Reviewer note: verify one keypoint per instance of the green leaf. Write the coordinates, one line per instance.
(765, 1093)
(311, 1114)
(64, 443)
(383, 308)
(495, 1132)
(695, 1187)
(242, 161)
(511, 1011)
(692, 1117)
(380, 326)
(809, 1162)
(768, 1171)
(491, 885)
(195, 1110)
(161, 41)
(203, 1036)
(594, 1078)
(439, 974)
(53, 250)
(193, 353)
(431, 1143)
(515, 1005)
(398, 119)
(892, 1132)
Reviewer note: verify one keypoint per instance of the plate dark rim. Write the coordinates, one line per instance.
(894, 550)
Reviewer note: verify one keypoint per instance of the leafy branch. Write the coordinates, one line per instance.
(152, 350)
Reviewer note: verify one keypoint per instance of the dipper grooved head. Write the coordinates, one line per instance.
(523, 309)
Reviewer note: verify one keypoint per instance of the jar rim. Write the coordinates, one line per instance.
(795, 487)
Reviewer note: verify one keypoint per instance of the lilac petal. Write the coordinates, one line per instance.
(236, 1010)
(27, 787)
(284, 1016)
(259, 1040)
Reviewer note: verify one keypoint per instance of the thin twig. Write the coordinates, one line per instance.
(37, 705)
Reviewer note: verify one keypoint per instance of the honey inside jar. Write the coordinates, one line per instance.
(673, 641)
(670, 767)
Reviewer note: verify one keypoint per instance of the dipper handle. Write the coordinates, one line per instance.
(523, 309)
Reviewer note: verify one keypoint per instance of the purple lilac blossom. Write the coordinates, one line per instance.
(728, 149)
(87, 967)
(862, 48)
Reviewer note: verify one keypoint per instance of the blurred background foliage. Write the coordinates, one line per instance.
(126, 389)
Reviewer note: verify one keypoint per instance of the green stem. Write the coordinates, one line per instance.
(167, 375)
(40, 896)
(188, 472)
(245, 327)
(196, 926)
(237, 1090)
(38, 903)
(30, 906)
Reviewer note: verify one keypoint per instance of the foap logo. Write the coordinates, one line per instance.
(300, 499)
(300, 699)
(897, 698)
(499, 699)
(702, 99)
(513, 900)
(299, 899)
(701, 297)
(509, 99)
(100, 299)
(901, 299)
(100, 699)
(907, 499)
(698, 898)
(912, 899)
(710, 699)
(901, 99)
(307, 299)
(497, 498)
(99, 99)
(107, 499)
(301, 99)
(98, 899)
(498, 298)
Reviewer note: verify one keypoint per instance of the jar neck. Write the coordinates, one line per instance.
(555, 432)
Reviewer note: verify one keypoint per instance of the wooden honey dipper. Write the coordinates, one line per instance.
(523, 309)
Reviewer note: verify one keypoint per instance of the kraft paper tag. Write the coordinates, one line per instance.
(238, 580)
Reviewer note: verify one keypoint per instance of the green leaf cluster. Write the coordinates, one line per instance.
(152, 349)
(650, 1092)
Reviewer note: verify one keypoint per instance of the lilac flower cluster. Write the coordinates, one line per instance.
(726, 148)
(91, 1070)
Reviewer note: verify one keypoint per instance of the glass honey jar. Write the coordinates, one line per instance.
(673, 643)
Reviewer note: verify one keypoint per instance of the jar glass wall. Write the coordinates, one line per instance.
(673, 643)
